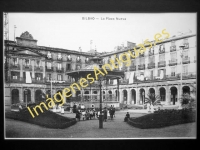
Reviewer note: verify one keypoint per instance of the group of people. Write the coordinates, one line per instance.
(91, 113)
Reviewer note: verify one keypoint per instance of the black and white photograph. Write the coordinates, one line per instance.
(100, 75)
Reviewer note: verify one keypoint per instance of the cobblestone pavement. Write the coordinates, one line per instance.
(90, 129)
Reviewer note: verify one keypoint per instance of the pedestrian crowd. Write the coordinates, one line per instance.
(83, 113)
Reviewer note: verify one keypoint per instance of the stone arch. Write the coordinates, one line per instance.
(28, 96)
(125, 95)
(162, 93)
(110, 95)
(142, 96)
(15, 96)
(38, 96)
(186, 89)
(174, 94)
(133, 96)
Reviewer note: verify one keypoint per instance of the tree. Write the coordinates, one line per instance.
(152, 99)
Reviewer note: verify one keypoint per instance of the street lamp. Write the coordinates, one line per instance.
(100, 116)
(181, 54)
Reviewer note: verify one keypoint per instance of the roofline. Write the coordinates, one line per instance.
(137, 47)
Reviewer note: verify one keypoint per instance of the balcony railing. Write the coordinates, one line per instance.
(69, 59)
(27, 67)
(38, 81)
(49, 69)
(161, 51)
(162, 64)
(189, 75)
(176, 77)
(78, 61)
(15, 67)
(132, 68)
(151, 65)
(173, 48)
(172, 62)
(38, 68)
(69, 69)
(141, 67)
(186, 60)
(124, 81)
(59, 58)
(186, 45)
(18, 80)
(60, 70)
(151, 52)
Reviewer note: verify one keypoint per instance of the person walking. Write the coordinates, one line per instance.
(111, 113)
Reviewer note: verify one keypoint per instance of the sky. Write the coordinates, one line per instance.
(70, 31)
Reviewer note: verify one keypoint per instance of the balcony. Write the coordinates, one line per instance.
(162, 64)
(132, 68)
(38, 81)
(186, 45)
(49, 69)
(60, 70)
(186, 60)
(59, 58)
(78, 61)
(141, 67)
(123, 81)
(87, 61)
(141, 55)
(38, 68)
(189, 75)
(124, 69)
(27, 67)
(15, 67)
(151, 52)
(173, 48)
(69, 59)
(161, 51)
(173, 77)
(172, 62)
(151, 65)
(69, 69)
(17, 80)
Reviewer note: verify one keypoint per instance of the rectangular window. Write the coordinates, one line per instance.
(162, 57)
(68, 67)
(15, 61)
(27, 62)
(38, 63)
(59, 56)
(185, 41)
(185, 54)
(48, 65)
(59, 77)
(142, 61)
(173, 57)
(173, 43)
(59, 66)
(173, 71)
(185, 70)
(151, 59)
(49, 77)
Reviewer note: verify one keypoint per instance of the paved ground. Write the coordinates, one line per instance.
(90, 129)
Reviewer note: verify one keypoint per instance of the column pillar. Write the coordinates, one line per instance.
(121, 100)
(137, 96)
(21, 68)
(167, 96)
(44, 69)
(129, 96)
(157, 91)
(33, 69)
(21, 95)
(179, 95)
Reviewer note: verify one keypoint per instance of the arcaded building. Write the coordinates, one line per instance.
(167, 69)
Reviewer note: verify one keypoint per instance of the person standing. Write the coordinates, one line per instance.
(113, 111)
(127, 117)
(105, 114)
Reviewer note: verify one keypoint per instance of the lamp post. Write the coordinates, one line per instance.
(100, 116)
(181, 54)
(26, 92)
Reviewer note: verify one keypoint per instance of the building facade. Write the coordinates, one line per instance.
(167, 69)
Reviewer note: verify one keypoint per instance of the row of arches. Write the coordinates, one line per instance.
(162, 93)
